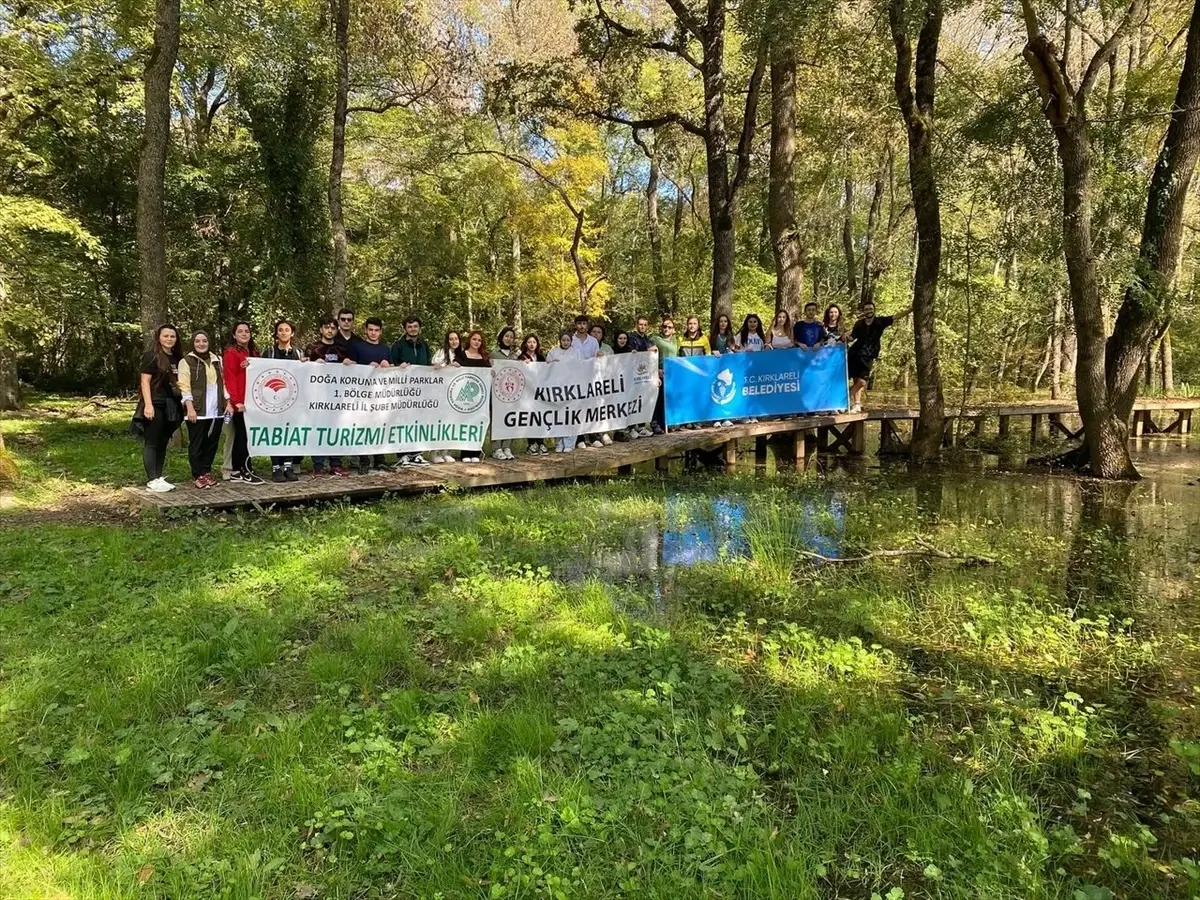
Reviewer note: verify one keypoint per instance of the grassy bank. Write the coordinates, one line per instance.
(510, 694)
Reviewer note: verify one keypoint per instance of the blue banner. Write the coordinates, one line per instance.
(745, 385)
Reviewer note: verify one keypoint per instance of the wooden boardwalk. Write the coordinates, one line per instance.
(1046, 417)
(831, 433)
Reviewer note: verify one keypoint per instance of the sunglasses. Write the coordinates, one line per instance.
(346, 319)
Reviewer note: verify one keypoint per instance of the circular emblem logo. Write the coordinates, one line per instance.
(642, 367)
(723, 388)
(275, 390)
(509, 384)
(466, 393)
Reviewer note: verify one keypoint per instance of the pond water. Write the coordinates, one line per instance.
(706, 514)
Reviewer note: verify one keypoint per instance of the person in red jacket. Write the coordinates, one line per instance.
(234, 361)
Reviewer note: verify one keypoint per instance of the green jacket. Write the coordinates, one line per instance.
(665, 347)
(415, 353)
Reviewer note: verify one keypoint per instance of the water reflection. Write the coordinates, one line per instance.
(699, 528)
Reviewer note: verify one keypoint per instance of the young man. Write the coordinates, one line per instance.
(371, 351)
(639, 341)
(586, 346)
(345, 336)
(667, 345)
(329, 351)
(864, 350)
(412, 350)
(808, 332)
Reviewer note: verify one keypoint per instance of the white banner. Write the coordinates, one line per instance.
(573, 397)
(323, 409)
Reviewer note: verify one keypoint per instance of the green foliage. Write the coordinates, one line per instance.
(512, 693)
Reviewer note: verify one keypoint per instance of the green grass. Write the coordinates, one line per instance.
(503, 694)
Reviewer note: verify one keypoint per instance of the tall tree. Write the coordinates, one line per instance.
(789, 252)
(916, 107)
(708, 30)
(662, 294)
(341, 41)
(152, 167)
(1065, 108)
(1145, 312)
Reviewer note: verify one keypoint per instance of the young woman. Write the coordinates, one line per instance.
(834, 331)
(751, 338)
(447, 356)
(159, 411)
(597, 331)
(563, 351)
(283, 467)
(531, 352)
(234, 361)
(506, 348)
(451, 348)
(722, 339)
(474, 356)
(202, 386)
(781, 331)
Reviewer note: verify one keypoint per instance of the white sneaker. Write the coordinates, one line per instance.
(498, 454)
(159, 486)
(645, 432)
(856, 408)
(471, 459)
(566, 448)
(606, 439)
(418, 460)
(596, 445)
(508, 454)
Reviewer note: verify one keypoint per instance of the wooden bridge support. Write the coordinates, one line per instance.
(852, 437)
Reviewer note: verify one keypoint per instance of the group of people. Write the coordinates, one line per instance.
(206, 389)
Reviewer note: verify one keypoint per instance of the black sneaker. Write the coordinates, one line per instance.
(237, 478)
(251, 478)
(277, 476)
(290, 474)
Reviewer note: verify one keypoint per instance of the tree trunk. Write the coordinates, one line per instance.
(1168, 365)
(870, 267)
(676, 231)
(152, 167)
(518, 310)
(786, 248)
(1106, 434)
(662, 299)
(337, 221)
(1056, 354)
(848, 237)
(10, 387)
(716, 156)
(1146, 307)
(917, 110)
(1065, 108)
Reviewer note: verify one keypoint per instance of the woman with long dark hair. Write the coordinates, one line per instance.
(283, 468)
(722, 339)
(452, 347)
(751, 338)
(506, 348)
(474, 356)
(235, 359)
(202, 385)
(159, 409)
(531, 352)
(834, 330)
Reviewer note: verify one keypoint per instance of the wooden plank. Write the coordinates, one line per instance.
(489, 473)
(731, 453)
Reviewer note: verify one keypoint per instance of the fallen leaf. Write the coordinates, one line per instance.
(144, 874)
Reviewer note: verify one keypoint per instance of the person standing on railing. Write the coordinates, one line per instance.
(865, 339)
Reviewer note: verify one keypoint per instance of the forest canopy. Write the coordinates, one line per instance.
(503, 162)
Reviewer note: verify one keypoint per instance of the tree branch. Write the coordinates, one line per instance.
(686, 19)
(749, 119)
(1107, 49)
(671, 118)
(925, 550)
(678, 48)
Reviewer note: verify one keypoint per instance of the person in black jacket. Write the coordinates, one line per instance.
(283, 467)
(159, 410)
(865, 341)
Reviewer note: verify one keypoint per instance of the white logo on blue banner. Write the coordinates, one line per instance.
(745, 385)
(723, 389)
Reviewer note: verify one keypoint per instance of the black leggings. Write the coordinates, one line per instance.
(154, 450)
(203, 437)
(241, 443)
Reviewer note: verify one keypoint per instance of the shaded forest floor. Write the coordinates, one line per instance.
(625, 688)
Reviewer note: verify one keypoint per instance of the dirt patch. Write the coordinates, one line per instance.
(82, 505)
